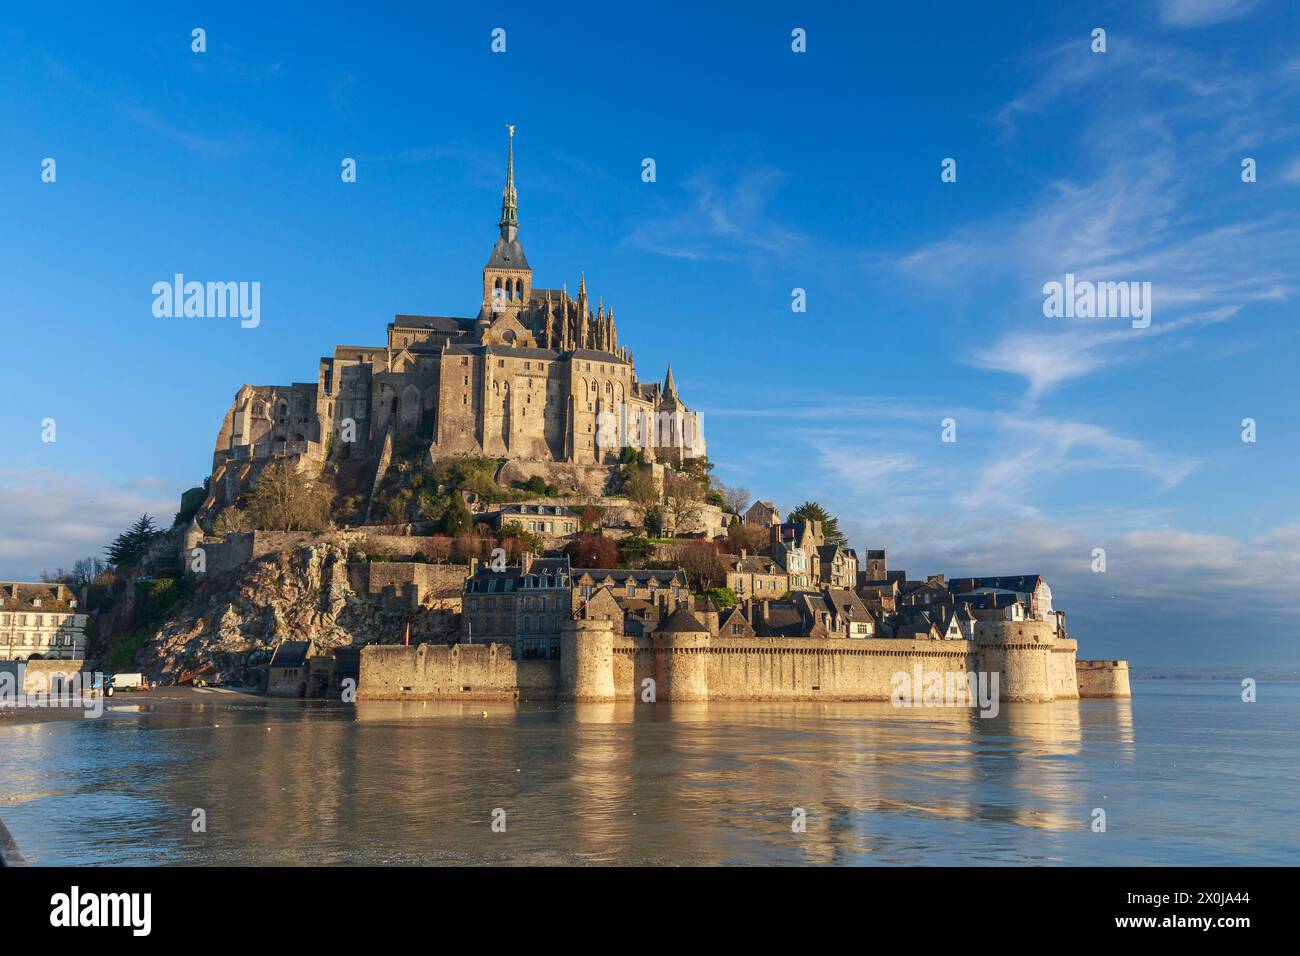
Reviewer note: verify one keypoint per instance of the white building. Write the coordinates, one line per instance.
(40, 622)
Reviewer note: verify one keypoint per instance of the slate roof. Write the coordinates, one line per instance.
(682, 621)
(19, 596)
(620, 575)
(1023, 583)
(507, 254)
(752, 564)
(290, 653)
(441, 323)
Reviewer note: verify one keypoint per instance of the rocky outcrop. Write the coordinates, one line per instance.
(234, 622)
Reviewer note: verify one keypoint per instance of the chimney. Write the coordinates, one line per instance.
(743, 554)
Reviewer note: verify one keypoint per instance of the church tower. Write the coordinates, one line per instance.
(507, 280)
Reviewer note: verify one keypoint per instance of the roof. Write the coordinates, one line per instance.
(735, 616)
(1022, 583)
(21, 596)
(620, 575)
(846, 603)
(442, 323)
(752, 564)
(507, 254)
(783, 618)
(290, 653)
(682, 621)
(528, 508)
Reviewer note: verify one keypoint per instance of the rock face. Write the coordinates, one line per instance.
(235, 621)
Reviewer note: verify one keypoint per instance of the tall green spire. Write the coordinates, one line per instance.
(509, 200)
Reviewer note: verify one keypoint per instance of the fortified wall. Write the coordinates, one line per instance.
(1103, 679)
(693, 665)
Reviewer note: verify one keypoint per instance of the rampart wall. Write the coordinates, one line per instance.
(1032, 665)
(1103, 679)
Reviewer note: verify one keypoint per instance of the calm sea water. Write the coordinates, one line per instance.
(1186, 772)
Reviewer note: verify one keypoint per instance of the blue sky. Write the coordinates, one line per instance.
(775, 170)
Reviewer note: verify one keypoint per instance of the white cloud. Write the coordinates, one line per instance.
(722, 222)
(49, 520)
(1199, 13)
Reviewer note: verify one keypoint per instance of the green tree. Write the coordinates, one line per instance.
(130, 547)
(635, 550)
(456, 520)
(812, 511)
(722, 598)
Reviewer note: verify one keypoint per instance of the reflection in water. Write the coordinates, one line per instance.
(708, 783)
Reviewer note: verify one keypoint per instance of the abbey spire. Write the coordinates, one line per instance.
(670, 386)
(509, 198)
(507, 279)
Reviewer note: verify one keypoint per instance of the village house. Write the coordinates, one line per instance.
(794, 548)
(762, 514)
(40, 622)
(286, 675)
(1029, 590)
(521, 605)
(548, 521)
(627, 584)
(755, 575)
(837, 566)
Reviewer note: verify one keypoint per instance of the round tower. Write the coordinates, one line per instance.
(586, 660)
(1019, 652)
(681, 650)
(708, 615)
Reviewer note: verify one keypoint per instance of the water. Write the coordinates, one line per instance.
(1186, 772)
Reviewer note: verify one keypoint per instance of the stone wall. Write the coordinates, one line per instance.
(1103, 679)
(464, 671)
(224, 555)
(699, 667)
(37, 675)
(416, 582)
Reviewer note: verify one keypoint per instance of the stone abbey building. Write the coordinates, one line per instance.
(533, 376)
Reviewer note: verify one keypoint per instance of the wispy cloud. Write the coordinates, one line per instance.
(720, 220)
(1199, 13)
(50, 520)
(1163, 205)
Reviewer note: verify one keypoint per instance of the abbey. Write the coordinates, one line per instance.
(533, 377)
